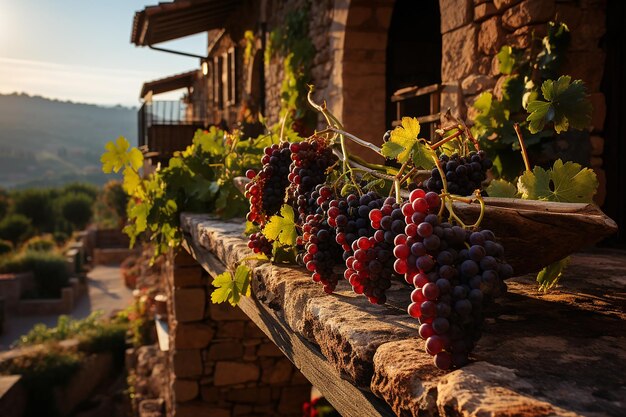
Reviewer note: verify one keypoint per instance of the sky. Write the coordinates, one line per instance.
(80, 50)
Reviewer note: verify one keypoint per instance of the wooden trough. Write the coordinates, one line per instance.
(536, 233)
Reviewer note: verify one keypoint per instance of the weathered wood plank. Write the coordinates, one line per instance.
(410, 92)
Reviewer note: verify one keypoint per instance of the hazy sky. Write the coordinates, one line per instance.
(80, 50)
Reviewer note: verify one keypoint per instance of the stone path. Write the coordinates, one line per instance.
(106, 292)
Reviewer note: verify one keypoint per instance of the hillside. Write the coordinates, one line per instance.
(49, 142)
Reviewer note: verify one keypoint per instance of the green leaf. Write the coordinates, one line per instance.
(566, 105)
(229, 288)
(391, 150)
(506, 59)
(569, 183)
(549, 276)
(282, 228)
(423, 155)
(501, 188)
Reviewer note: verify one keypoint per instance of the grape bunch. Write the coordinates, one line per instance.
(260, 244)
(315, 202)
(310, 160)
(321, 251)
(463, 174)
(455, 273)
(266, 191)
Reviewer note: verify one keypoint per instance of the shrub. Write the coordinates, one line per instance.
(15, 227)
(116, 198)
(60, 237)
(36, 204)
(81, 188)
(5, 247)
(5, 203)
(41, 372)
(44, 243)
(49, 270)
(76, 209)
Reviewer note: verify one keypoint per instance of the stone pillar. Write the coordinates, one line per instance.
(220, 363)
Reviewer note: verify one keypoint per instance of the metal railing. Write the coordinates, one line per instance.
(169, 113)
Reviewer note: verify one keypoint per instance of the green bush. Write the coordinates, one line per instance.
(77, 209)
(60, 237)
(5, 203)
(81, 188)
(15, 227)
(5, 247)
(37, 205)
(66, 328)
(41, 372)
(49, 270)
(44, 243)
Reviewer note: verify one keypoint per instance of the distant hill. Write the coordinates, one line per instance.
(45, 142)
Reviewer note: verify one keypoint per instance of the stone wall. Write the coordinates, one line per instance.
(473, 31)
(221, 364)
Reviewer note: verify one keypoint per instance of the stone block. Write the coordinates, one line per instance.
(491, 36)
(183, 258)
(241, 410)
(210, 394)
(187, 363)
(528, 12)
(504, 4)
(359, 15)
(269, 349)
(231, 373)
(253, 331)
(188, 276)
(452, 98)
(585, 65)
(484, 11)
(455, 13)
(189, 304)
(225, 350)
(200, 409)
(291, 399)
(598, 115)
(231, 329)
(280, 373)
(254, 395)
(459, 53)
(226, 312)
(477, 83)
(185, 390)
(522, 38)
(597, 145)
(193, 335)
(367, 40)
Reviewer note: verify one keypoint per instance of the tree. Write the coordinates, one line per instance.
(15, 228)
(76, 208)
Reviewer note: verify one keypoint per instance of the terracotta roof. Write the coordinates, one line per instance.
(167, 21)
(173, 82)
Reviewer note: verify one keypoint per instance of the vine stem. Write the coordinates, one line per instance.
(522, 146)
(354, 139)
(447, 139)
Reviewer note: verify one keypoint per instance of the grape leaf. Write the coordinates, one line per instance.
(569, 183)
(229, 288)
(282, 228)
(501, 188)
(118, 155)
(566, 106)
(506, 59)
(549, 276)
(405, 144)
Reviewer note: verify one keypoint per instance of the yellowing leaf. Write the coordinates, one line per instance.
(569, 183)
(405, 136)
(132, 180)
(282, 228)
(118, 155)
(506, 59)
(501, 188)
(549, 276)
(229, 288)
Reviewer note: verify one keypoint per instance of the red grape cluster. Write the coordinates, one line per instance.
(310, 160)
(260, 244)
(266, 191)
(454, 272)
(322, 252)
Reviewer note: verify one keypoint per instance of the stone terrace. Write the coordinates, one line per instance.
(561, 353)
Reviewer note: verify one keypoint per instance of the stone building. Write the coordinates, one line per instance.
(365, 51)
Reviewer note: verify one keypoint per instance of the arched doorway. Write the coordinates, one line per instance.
(413, 54)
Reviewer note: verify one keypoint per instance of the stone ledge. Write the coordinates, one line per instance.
(554, 354)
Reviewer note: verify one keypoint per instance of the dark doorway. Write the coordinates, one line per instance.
(614, 89)
(413, 53)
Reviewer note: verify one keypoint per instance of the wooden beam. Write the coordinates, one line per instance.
(410, 92)
(347, 399)
(422, 119)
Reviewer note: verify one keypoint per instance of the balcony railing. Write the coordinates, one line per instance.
(169, 126)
